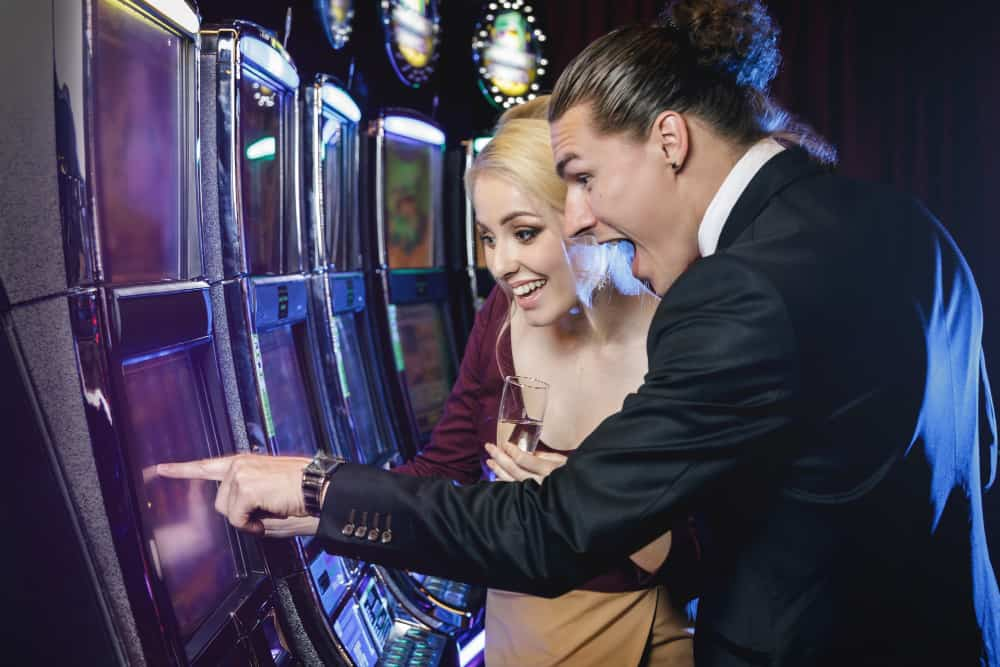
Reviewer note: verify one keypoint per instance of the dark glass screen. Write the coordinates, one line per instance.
(140, 150)
(261, 108)
(189, 542)
(429, 373)
(286, 390)
(359, 399)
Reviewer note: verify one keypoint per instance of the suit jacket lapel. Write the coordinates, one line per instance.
(780, 171)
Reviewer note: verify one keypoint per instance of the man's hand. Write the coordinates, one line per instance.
(511, 464)
(258, 494)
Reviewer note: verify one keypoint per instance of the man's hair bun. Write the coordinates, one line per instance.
(736, 36)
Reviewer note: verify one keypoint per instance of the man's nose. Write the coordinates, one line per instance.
(578, 219)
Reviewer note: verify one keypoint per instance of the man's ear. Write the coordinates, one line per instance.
(670, 136)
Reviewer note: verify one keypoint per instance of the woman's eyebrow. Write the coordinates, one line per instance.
(517, 214)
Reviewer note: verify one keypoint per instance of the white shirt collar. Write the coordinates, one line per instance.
(729, 193)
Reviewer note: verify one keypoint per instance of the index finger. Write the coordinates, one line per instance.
(209, 469)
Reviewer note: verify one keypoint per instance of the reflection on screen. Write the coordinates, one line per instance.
(138, 152)
(286, 391)
(333, 184)
(359, 400)
(352, 634)
(412, 175)
(429, 374)
(261, 106)
(189, 542)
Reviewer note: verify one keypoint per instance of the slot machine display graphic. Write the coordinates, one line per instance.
(188, 542)
(409, 210)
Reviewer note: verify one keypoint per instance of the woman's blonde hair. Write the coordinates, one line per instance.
(521, 153)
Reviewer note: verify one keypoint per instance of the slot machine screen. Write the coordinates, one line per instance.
(143, 132)
(354, 636)
(333, 139)
(261, 107)
(412, 201)
(359, 400)
(191, 548)
(286, 390)
(428, 360)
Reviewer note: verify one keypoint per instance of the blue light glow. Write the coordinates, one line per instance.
(468, 653)
(341, 102)
(270, 60)
(414, 129)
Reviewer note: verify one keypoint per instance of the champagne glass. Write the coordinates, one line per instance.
(522, 410)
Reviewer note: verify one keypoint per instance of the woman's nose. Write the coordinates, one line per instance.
(504, 260)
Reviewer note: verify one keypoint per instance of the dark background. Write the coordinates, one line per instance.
(909, 93)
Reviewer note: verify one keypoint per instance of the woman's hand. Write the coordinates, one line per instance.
(510, 464)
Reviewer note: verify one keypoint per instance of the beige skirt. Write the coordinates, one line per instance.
(583, 628)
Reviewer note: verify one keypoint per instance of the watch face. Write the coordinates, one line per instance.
(508, 47)
(337, 17)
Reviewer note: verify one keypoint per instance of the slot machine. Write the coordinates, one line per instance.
(108, 324)
(251, 137)
(411, 287)
(413, 626)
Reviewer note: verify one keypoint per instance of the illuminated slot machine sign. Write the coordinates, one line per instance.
(508, 48)
(411, 38)
(337, 17)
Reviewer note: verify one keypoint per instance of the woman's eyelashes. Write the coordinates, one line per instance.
(526, 234)
(522, 234)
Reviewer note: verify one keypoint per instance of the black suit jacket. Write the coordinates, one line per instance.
(817, 393)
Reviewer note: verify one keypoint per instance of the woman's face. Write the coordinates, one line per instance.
(522, 241)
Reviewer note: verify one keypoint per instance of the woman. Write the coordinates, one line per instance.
(591, 357)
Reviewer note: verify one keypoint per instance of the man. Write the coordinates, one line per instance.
(816, 391)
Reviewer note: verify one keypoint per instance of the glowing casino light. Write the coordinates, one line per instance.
(341, 102)
(270, 60)
(262, 149)
(471, 650)
(479, 143)
(178, 12)
(414, 129)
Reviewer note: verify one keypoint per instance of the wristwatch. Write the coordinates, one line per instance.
(315, 476)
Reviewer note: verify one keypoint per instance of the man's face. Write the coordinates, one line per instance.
(619, 187)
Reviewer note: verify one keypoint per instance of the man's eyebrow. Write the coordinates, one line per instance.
(561, 165)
